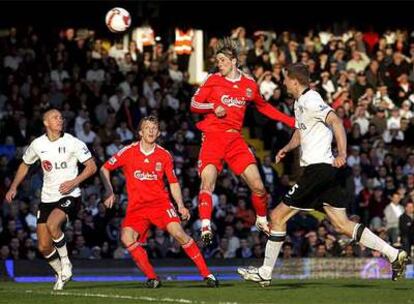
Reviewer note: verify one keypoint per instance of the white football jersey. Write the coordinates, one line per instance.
(59, 161)
(315, 135)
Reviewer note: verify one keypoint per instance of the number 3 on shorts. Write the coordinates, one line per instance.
(171, 213)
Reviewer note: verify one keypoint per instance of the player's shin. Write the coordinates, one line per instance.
(54, 262)
(367, 238)
(60, 244)
(205, 207)
(61, 248)
(140, 257)
(273, 246)
(193, 252)
(260, 204)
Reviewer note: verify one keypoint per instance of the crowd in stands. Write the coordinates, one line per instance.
(103, 90)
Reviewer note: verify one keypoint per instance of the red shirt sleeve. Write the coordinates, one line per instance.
(271, 112)
(199, 103)
(116, 161)
(169, 169)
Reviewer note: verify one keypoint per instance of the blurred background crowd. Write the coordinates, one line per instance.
(104, 89)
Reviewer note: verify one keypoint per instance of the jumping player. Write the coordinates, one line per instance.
(223, 99)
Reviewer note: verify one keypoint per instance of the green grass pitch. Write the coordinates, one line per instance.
(333, 291)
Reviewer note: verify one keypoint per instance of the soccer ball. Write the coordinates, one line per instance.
(118, 20)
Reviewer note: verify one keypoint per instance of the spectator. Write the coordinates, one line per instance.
(406, 227)
(244, 251)
(392, 213)
(359, 62)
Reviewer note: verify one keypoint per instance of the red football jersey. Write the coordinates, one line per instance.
(233, 95)
(144, 173)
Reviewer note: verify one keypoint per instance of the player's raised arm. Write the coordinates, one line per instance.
(271, 112)
(339, 132)
(199, 102)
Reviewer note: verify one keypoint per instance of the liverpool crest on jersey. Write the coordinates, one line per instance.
(158, 166)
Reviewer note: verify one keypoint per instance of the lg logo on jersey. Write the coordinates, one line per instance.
(47, 165)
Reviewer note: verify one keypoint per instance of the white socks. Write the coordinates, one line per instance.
(54, 261)
(372, 241)
(273, 246)
(60, 245)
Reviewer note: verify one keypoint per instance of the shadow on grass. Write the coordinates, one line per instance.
(203, 285)
(104, 285)
(368, 286)
(140, 285)
(303, 284)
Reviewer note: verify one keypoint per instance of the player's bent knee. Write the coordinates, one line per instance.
(207, 187)
(127, 239)
(258, 188)
(277, 219)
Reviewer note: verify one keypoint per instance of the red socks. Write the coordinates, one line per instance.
(260, 204)
(194, 254)
(205, 205)
(140, 257)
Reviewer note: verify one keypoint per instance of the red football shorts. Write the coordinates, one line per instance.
(229, 147)
(141, 219)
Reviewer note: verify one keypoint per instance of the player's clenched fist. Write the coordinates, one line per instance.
(339, 161)
(220, 111)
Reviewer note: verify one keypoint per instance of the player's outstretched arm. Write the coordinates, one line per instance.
(88, 171)
(20, 175)
(271, 112)
(106, 179)
(293, 144)
(339, 132)
(275, 114)
(178, 198)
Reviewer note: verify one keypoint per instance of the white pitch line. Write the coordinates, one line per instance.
(113, 296)
(124, 297)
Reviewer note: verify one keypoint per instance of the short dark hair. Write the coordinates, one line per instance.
(151, 118)
(48, 111)
(300, 72)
